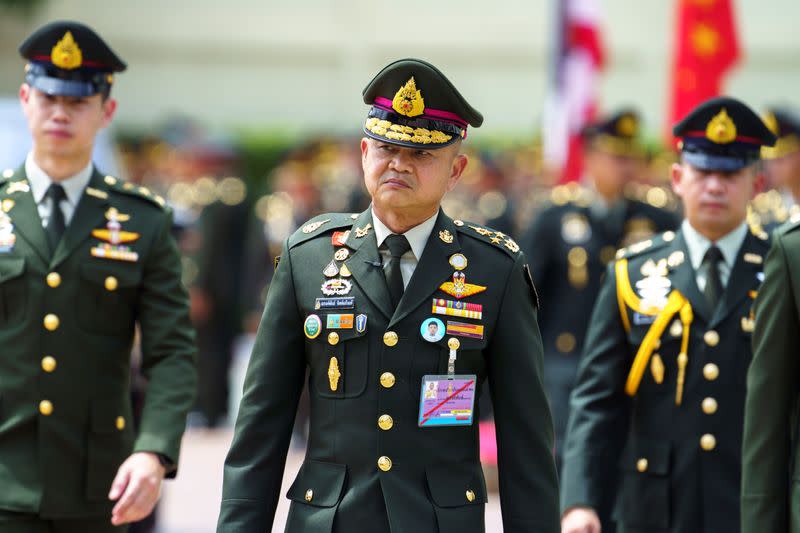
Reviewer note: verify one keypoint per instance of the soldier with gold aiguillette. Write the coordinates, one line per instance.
(84, 258)
(657, 408)
(400, 313)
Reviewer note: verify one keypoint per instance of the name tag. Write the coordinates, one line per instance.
(447, 400)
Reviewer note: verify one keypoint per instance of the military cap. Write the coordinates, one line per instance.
(69, 59)
(415, 105)
(617, 134)
(722, 134)
(785, 124)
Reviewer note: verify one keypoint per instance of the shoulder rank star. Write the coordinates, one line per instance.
(314, 226)
(459, 288)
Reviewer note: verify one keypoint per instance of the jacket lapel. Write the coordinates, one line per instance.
(749, 262)
(684, 279)
(366, 266)
(432, 269)
(88, 215)
(26, 219)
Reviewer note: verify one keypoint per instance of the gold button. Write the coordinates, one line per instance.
(333, 338)
(453, 343)
(48, 363)
(309, 495)
(387, 380)
(708, 442)
(46, 407)
(710, 406)
(384, 463)
(51, 322)
(577, 256)
(565, 342)
(390, 338)
(111, 283)
(385, 422)
(470, 496)
(642, 464)
(53, 279)
(711, 337)
(710, 371)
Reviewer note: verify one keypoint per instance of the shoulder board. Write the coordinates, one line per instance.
(321, 225)
(496, 239)
(653, 243)
(6, 175)
(131, 189)
(792, 225)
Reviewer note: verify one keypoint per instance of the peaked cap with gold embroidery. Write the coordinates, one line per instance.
(785, 124)
(415, 105)
(69, 59)
(722, 134)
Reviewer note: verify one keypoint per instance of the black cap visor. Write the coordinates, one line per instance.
(725, 163)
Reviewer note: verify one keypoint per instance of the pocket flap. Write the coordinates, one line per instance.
(646, 456)
(11, 267)
(456, 485)
(319, 484)
(125, 275)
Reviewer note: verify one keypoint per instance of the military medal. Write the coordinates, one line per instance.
(7, 237)
(312, 326)
(458, 261)
(114, 237)
(331, 270)
(462, 329)
(361, 323)
(345, 272)
(341, 254)
(459, 288)
(459, 309)
(432, 329)
(333, 374)
(340, 321)
(336, 287)
(339, 237)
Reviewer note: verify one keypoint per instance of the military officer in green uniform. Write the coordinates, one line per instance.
(657, 408)
(84, 258)
(393, 441)
(571, 241)
(782, 168)
(770, 501)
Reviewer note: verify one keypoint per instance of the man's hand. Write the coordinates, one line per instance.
(580, 520)
(137, 487)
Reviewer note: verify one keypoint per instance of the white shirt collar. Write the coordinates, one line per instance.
(417, 236)
(40, 181)
(697, 244)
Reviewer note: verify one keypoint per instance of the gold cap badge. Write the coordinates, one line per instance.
(66, 53)
(408, 100)
(721, 128)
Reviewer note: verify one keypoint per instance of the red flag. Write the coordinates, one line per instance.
(572, 95)
(706, 47)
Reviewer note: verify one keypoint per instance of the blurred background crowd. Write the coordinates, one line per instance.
(245, 116)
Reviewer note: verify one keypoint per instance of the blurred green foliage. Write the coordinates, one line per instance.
(22, 6)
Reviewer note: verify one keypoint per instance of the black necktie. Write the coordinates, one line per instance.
(713, 289)
(398, 245)
(56, 225)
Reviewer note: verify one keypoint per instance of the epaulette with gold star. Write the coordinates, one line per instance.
(131, 189)
(653, 243)
(498, 239)
(321, 225)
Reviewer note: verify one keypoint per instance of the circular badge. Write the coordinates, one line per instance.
(432, 330)
(341, 254)
(458, 261)
(312, 326)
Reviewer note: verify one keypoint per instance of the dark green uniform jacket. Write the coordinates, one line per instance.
(569, 247)
(670, 437)
(770, 475)
(66, 331)
(434, 480)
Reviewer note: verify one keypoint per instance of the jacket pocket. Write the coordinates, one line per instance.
(645, 500)
(108, 302)
(458, 493)
(110, 442)
(315, 494)
(339, 368)
(13, 291)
